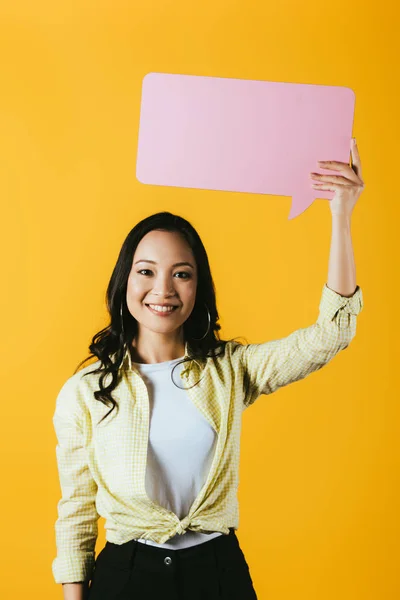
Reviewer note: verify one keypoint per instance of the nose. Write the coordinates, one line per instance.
(163, 286)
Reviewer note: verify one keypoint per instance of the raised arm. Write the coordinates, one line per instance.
(268, 366)
(347, 187)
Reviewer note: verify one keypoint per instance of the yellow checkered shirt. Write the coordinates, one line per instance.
(102, 467)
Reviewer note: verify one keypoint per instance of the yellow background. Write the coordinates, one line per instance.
(319, 484)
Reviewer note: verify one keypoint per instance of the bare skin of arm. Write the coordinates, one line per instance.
(342, 270)
(76, 591)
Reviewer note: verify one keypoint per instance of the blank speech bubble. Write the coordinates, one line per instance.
(237, 135)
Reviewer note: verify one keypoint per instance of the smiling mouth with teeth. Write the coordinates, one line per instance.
(161, 309)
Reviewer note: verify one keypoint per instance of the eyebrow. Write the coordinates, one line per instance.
(179, 264)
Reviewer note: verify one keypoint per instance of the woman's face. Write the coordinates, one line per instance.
(155, 280)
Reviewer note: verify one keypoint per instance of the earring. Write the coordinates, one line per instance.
(122, 321)
(208, 326)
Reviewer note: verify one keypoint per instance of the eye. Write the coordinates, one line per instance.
(177, 273)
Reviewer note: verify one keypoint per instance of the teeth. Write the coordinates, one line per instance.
(161, 308)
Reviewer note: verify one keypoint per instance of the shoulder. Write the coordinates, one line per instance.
(231, 352)
(72, 396)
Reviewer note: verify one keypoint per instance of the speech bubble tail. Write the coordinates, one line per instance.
(300, 204)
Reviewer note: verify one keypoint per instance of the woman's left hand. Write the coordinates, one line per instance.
(347, 187)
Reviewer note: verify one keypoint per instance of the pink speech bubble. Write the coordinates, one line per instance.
(238, 135)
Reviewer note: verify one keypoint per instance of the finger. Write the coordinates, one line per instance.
(332, 179)
(344, 168)
(329, 186)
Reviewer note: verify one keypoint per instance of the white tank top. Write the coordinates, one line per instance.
(180, 450)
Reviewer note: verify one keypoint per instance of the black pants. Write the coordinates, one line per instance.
(213, 570)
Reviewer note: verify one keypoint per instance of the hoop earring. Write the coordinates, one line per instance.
(208, 326)
(122, 321)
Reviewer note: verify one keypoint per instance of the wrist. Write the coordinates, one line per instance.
(341, 216)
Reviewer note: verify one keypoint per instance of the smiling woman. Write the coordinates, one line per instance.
(161, 300)
(162, 464)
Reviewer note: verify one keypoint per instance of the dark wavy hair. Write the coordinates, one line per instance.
(109, 344)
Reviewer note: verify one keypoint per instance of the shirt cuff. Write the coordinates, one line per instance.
(333, 303)
(73, 568)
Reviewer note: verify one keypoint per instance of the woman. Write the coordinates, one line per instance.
(150, 438)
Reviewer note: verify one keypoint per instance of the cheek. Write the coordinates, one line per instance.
(189, 296)
(136, 287)
(189, 302)
(135, 297)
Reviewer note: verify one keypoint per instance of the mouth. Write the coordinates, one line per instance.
(162, 312)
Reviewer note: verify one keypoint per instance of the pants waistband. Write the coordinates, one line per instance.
(221, 549)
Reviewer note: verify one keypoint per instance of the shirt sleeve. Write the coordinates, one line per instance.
(76, 527)
(271, 365)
